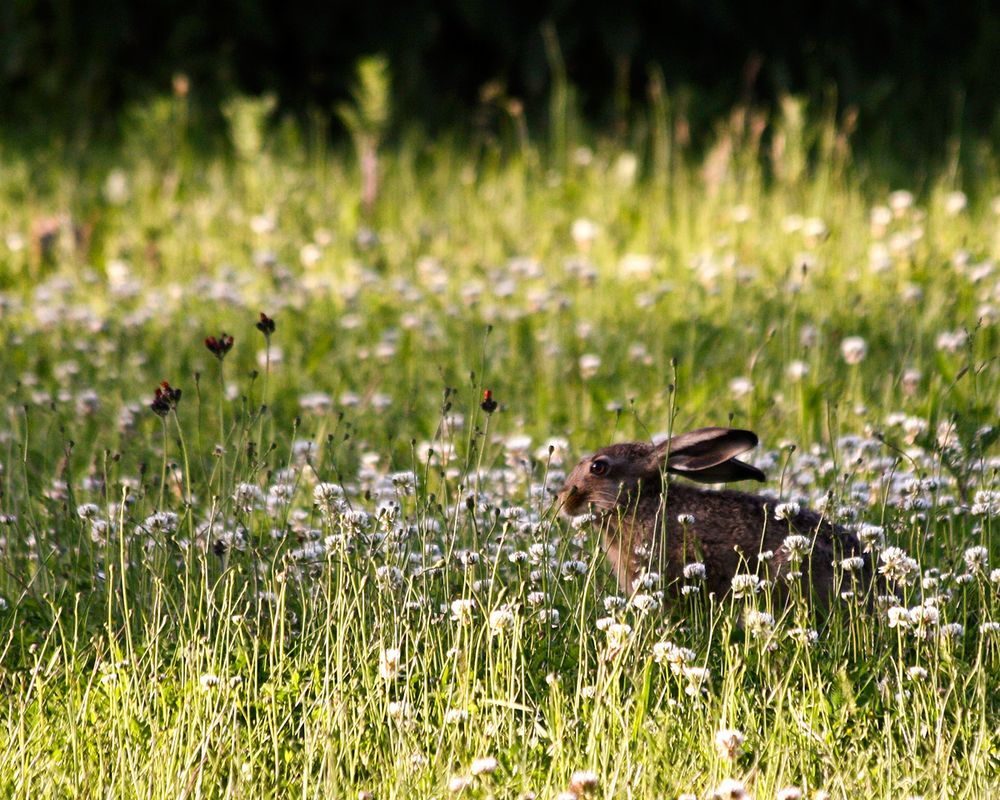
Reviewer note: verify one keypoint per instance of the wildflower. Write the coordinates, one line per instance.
(989, 627)
(995, 576)
(247, 497)
(645, 603)
(916, 673)
(899, 617)
(796, 370)
(489, 405)
(759, 623)
(854, 349)
(797, 546)
(697, 678)
(456, 716)
(897, 565)
(955, 203)
(789, 793)
(730, 789)
(729, 743)
(483, 766)
(744, 585)
(952, 630)
(852, 564)
(589, 365)
(208, 681)
(871, 537)
(583, 782)
(165, 399)
(786, 511)
(670, 653)
(740, 387)
(685, 519)
(501, 620)
(219, 347)
(459, 783)
(976, 558)
(695, 571)
(804, 635)
(399, 710)
(388, 664)
(986, 503)
(87, 511)
(265, 325)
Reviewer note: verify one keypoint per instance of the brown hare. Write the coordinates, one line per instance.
(651, 525)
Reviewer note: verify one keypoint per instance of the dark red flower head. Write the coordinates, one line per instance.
(165, 399)
(265, 325)
(489, 405)
(219, 347)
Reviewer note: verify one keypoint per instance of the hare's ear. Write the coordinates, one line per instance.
(709, 455)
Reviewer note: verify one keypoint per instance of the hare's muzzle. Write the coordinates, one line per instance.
(571, 499)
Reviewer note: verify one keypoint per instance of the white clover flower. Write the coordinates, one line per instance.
(989, 627)
(806, 636)
(796, 370)
(786, 511)
(648, 580)
(730, 789)
(976, 558)
(618, 634)
(456, 716)
(501, 620)
(740, 387)
(87, 511)
(924, 616)
(952, 630)
(672, 655)
(900, 201)
(899, 617)
(871, 536)
(583, 782)
(955, 203)
(916, 673)
(483, 766)
(645, 603)
(247, 497)
(685, 519)
(697, 679)
(695, 571)
(461, 610)
(208, 681)
(583, 231)
(388, 664)
(729, 743)
(797, 546)
(854, 349)
(459, 783)
(764, 556)
(852, 564)
(897, 565)
(744, 585)
(759, 623)
(590, 363)
(995, 576)
(986, 503)
(789, 793)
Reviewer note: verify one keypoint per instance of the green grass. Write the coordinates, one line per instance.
(259, 643)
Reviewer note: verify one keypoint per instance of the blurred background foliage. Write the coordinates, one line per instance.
(919, 74)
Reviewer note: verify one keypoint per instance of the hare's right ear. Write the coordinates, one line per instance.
(709, 455)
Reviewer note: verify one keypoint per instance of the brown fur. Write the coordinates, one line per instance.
(730, 528)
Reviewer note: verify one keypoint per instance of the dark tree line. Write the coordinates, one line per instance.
(915, 69)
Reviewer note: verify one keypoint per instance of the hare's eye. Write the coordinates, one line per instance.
(599, 467)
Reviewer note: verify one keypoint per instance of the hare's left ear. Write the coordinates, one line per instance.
(709, 455)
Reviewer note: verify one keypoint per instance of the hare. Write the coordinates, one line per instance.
(650, 525)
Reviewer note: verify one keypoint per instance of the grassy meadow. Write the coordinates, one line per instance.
(325, 569)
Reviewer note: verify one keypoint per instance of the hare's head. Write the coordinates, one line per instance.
(618, 475)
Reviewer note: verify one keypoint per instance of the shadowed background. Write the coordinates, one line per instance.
(917, 72)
